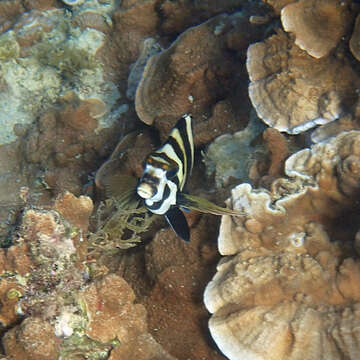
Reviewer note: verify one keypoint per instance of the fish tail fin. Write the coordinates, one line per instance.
(205, 206)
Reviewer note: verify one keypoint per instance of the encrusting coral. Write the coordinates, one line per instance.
(48, 265)
(185, 81)
(19, 341)
(290, 278)
(45, 52)
(179, 273)
(193, 73)
(112, 314)
(66, 292)
(45, 56)
(180, 15)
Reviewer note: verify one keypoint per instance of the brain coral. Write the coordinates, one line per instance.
(289, 289)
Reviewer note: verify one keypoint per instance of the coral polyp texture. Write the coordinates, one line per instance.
(292, 262)
(292, 91)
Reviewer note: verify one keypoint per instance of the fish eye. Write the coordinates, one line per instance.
(149, 179)
(171, 173)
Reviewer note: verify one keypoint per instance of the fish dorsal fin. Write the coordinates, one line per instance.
(116, 159)
(177, 221)
(124, 145)
(178, 150)
(110, 177)
(205, 206)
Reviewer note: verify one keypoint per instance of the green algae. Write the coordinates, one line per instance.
(120, 225)
(82, 347)
(14, 294)
(65, 57)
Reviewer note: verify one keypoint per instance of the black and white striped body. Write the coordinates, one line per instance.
(167, 169)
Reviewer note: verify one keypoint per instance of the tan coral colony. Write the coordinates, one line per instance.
(286, 288)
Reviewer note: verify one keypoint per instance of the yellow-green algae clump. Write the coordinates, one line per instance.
(120, 225)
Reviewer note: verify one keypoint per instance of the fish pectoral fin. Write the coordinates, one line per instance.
(205, 206)
(121, 187)
(177, 221)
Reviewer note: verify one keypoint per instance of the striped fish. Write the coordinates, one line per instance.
(165, 173)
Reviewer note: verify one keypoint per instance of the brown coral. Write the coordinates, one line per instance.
(66, 144)
(33, 339)
(134, 21)
(193, 74)
(76, 210)
(181, 78)
(355, 39)
(110, 308)
(49, 292)
(291, 91)
(317, 25)
(112, 314)
(278, 149)
(179, 272)
(9, 10)
(179, 15)
(291, 279)
(92, 19)
(144, 347)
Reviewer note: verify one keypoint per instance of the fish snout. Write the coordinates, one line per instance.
(146, 190)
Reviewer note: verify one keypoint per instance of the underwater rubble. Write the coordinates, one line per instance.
(88, 88)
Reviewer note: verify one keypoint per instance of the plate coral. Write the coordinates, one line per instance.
(290, 268)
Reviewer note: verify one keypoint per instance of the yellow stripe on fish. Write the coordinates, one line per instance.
(167, 168)
(165, 174)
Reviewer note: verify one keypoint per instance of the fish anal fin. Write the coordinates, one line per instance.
(177, 220)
